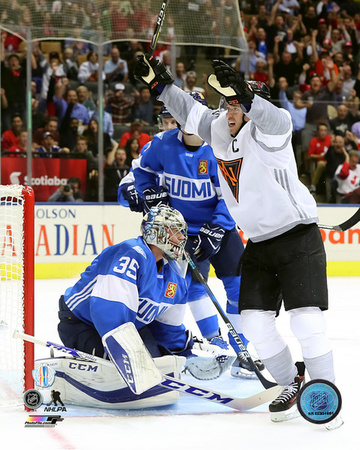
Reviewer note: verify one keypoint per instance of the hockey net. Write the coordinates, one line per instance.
(16, 291)
(187, 22)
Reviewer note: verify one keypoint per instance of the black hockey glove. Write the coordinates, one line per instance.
(152, 72)
(208, 241)
(154, 197)
(230, 84)
(130, 194)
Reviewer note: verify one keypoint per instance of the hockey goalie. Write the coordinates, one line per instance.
(129, 306)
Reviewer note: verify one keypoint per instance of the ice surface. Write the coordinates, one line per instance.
(196, 423)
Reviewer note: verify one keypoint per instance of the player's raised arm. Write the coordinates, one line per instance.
(190, 114)
(250, 97)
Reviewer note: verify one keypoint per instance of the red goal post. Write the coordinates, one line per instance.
(16, 291)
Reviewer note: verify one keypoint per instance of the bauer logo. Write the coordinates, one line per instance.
(32, 399)
(43, 421)
(319, 401)
(44, 376)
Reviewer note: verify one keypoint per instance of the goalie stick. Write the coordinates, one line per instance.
(159, 24)
(239, 346)
(240, 404)
(353, 220)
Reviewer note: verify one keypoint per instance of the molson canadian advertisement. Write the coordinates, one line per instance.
(68, 238)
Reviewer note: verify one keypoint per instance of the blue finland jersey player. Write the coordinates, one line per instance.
(201, 307)
(129, 282)
(190, 183)
(133, 295)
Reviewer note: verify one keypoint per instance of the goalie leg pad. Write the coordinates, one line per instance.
(131, 358)
(85, 383)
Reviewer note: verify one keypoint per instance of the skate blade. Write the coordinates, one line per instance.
(283, 416)
(239, 372)
(334, 424)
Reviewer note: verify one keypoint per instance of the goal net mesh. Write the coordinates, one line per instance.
(195, 22)
(11, 294)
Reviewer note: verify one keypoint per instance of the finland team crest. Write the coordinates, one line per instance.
(171, 290)
(203, 168)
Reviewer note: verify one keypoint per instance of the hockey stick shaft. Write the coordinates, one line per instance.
(240, 404)
(159, 24)
(238, 346)
(353, 220)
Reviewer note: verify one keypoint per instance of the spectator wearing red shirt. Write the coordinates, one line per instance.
(20, 148)
(260, 73)
(318, 147)
(135, 132)
(11, 137)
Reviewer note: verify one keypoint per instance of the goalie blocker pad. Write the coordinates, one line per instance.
(131, 358)
(85, 383)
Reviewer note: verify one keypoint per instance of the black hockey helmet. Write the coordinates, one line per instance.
(261, 89)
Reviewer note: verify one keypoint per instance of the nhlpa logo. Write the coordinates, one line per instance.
(203, 168)
(44, 376)
(171, 290)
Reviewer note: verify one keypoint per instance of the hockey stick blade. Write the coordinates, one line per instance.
(158, 26)
(353, 220)
(240, 404)
(239, 346)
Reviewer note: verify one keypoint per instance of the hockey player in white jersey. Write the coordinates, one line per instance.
(133, 293)
(284, 262)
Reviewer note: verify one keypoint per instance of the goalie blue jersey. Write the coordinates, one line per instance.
(190, 177)
(123, 284)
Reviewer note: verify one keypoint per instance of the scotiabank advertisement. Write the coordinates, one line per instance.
(68, 237)
(47, 174)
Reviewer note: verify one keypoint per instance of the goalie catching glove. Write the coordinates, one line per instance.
(152, 72)
(209, 358)
(229, 83)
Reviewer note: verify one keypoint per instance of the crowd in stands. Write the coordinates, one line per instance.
(306, 51)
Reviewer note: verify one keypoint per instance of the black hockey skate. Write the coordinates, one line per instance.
(284, 407)
(241, 367)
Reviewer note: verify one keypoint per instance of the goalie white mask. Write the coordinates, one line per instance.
(165, 227)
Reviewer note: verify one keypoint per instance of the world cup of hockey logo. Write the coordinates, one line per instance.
(44, 376)
(171, 290)
(203, 168)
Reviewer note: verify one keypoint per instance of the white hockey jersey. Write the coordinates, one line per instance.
(348, 179)
(259, 179)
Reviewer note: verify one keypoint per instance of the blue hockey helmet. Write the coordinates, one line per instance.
(164, 113)
(199, 97)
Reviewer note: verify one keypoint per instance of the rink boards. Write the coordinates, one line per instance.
(68, 238)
